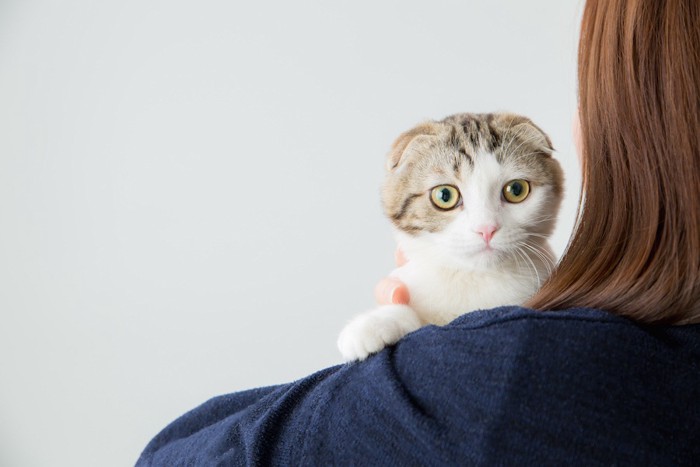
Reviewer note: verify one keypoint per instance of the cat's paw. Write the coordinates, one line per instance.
(370, 332)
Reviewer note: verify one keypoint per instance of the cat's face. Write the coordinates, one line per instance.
(473, 189)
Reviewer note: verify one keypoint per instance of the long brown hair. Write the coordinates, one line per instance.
(635, 249)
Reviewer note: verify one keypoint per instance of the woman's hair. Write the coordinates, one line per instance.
(635, 250)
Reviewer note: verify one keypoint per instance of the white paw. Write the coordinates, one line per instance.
(370, 332)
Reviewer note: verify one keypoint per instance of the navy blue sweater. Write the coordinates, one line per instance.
(505, 386)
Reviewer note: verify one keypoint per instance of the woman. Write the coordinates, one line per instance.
(513, 385)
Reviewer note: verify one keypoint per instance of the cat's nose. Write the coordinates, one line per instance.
(487, 231)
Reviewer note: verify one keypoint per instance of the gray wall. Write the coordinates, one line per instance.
(189, 190)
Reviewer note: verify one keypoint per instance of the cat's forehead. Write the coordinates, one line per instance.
(443, 159)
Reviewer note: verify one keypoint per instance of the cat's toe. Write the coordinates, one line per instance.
(371, 332)
(352, 342)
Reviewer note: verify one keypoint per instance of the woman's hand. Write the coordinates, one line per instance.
(391, 291)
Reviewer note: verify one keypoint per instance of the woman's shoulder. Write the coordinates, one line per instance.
(514, 327)
(557, 342)
(494, 386)
(512, 376)
(525, 386)
(521, 315)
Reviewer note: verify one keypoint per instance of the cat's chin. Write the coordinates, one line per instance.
(482, 259)
(488, 257)
(472, 257)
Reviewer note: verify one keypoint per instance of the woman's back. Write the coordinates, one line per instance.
(509, 385)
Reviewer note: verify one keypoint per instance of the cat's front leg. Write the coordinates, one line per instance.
(371, 331)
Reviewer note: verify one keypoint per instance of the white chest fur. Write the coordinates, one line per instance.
(439, 295)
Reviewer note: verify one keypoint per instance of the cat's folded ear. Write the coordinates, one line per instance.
(524, 129)
(406, 141)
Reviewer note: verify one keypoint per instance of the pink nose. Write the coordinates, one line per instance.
(487, 231)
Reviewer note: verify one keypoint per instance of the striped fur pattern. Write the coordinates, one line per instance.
(446, 151)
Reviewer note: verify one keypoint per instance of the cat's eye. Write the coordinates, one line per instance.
(515, 191)
(444, 197)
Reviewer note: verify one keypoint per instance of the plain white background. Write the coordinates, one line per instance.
(189, 191)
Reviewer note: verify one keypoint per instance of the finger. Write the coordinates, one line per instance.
(390, 291)
(400, 257)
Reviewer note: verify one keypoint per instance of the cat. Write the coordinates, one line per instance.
(473, 199)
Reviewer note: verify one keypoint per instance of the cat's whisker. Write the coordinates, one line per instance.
(517, 262)
(529, 253)
(536, 243)
(538, 235)
(543, 217)
(518, 250)
(546, 258)
(537, 272)
(541, 255)
(534, 268)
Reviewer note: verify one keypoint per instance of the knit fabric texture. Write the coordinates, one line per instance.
(508, 386)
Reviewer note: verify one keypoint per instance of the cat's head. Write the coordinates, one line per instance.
(473, 189)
